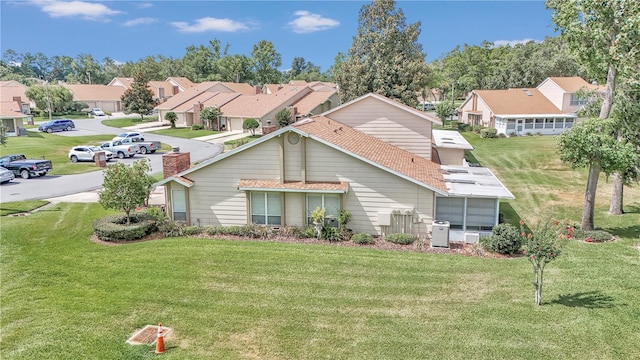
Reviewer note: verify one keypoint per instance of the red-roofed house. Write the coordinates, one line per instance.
(548, 109)
(351, 158)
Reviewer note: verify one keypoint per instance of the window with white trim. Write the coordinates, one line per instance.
(179, 205)
(265, 208)
(329, 202)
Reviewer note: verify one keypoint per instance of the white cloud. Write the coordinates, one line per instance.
(512, 42)
(209, 24)
(145, 5)
(83, 9)
(140, 21)
(306, 22)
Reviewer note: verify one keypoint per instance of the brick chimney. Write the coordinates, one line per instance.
(175, 162)
(258, 89)
(196, 113)
(268, 128)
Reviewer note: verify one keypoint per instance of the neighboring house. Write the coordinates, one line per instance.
(238, 102)
(322, 161)
(162, 90)
(548, 109)
(181, 82)
(106, 97)
(11, 90)
(12, 116)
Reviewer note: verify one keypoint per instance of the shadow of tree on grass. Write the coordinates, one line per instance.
(589, 300)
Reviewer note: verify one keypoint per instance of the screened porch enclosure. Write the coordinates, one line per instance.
(468, 214)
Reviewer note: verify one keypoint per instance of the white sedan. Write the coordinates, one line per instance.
(6, 175)
(87, 153)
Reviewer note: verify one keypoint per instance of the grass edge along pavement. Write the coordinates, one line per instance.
(65, 296)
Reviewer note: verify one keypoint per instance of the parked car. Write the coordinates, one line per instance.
(87, 153)
(120, 149)
(426, 106)
(146, 147)
(130, 134)
(97, 112)
(57, 125)
(25, 168)
(6, 175)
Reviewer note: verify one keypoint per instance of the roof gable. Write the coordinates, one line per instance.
(571, 84)
(516, 102)
(356, 104)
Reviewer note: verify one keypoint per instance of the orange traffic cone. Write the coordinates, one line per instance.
(160, 341)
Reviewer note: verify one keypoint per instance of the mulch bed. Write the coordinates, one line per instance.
(380, 244)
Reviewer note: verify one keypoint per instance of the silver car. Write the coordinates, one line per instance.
(87, 153)
(6, 175)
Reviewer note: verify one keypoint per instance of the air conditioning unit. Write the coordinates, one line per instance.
(440, 233)
(471, 238)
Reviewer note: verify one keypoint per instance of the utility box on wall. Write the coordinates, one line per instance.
(384, 218)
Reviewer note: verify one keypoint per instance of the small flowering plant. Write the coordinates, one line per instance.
(541, 247)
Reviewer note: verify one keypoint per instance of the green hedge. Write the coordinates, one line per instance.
(403, 239)
(115, 228)
(363, 238)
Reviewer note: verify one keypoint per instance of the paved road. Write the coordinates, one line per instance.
(51, 186)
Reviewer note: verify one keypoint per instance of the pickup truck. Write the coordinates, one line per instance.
(121, 150)
(146, 147)
(25, 168)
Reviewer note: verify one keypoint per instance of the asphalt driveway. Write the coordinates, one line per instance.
(51, 186)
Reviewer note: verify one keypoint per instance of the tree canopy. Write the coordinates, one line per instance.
(126, 187)
(385, 57)
(139, 98)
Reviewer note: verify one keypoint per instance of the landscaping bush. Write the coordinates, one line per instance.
(488, 133)
(197, 127)
(308, 232)
(454, 124)
(114, 228)
(505, 239)
(477, 128)
(363, 238)
(192, 230)
(402, 239)
(463, 127)
(331, 234)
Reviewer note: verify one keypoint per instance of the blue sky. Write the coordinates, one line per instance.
(314, 30)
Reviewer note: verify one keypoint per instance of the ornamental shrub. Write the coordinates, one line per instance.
(331, 234)
(308, 232)
(402, 239)
(363, 238)
(197, 127)
(488, 133)
(477, 128)
(505, 239)
(115, 228)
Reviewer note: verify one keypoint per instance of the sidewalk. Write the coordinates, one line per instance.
(156, 198)
(214, 139)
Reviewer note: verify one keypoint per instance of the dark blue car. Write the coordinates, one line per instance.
(57, 125)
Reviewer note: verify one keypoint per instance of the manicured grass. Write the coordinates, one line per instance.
(232, 144)
(38, 145)
(184, 132)
(132, 121)
(64, 296)
(16, 207)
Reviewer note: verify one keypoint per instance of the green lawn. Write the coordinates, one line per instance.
(38, 145)
(184, 132)
(132, 121)
(64, 296)
(16, 207)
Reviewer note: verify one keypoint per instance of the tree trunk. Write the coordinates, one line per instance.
(609, 93)
(590, 197)
(617, 194)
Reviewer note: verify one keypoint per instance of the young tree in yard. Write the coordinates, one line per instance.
(591, 143)
(171, 118)
(3, 135)
(139, 98)
(209, 116)
(541, 247)
(284, 118)
(126, 187)
(604, 35)
(385, 57)
(444, 110)
(251, 125)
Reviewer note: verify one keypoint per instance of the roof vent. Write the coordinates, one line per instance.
(526, 91)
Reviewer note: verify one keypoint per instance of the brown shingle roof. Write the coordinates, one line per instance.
(375, 150)
(260, 105)
(517, 101)
(573, 84)
(88, 92)
(11, 109)
(294, 185)
(207, 99)
(312, 100)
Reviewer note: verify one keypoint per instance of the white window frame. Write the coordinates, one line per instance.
(179, 204)
(269, 216)
(331, 214)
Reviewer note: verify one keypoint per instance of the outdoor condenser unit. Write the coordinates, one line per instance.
(440, 233)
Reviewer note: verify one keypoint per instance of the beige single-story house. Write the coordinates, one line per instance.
(108, 98)
(13, 115)
(548, 109)
(322, 161)
(162, 90)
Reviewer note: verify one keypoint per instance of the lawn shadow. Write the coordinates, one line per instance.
(589, 300)
(508, 214)
(468, 155)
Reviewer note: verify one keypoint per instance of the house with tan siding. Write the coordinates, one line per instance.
(337, 160)
(13, 114)
(548, 109)
(108, 98)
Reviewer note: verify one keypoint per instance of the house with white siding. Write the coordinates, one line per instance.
(549, 109)
(371, 156)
